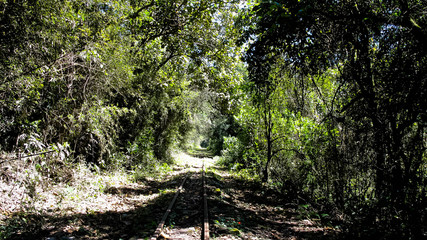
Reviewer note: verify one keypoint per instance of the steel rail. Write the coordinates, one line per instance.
(205, 233)
(205, 226)
(162, 222)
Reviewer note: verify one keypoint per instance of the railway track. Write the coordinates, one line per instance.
(187, 214)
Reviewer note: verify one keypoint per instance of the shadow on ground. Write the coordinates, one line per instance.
(140, 222)
(240, 209)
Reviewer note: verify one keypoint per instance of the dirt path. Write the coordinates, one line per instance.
(185, 219)
(238, 209)
(244, 210)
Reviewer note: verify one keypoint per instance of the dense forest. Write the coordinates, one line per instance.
(322, 99)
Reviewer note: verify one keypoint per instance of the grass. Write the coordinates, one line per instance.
(199, 153)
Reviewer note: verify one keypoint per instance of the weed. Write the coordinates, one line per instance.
(232, 225)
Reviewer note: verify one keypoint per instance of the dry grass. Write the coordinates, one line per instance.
(57, 190)
(25, 188)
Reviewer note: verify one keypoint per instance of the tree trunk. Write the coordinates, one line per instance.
(268, 136)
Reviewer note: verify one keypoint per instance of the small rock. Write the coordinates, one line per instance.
(191, 230)
(164, 235)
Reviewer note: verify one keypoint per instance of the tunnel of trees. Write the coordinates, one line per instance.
(321, 98)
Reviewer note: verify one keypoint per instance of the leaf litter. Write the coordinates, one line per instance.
(111, 205)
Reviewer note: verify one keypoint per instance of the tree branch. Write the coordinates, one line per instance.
(135, 14)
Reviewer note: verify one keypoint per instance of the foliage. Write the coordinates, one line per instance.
(112, 78)
(322, 99)
(356, 70)
(232, 152)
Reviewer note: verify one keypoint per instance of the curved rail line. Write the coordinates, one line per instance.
(205, 225)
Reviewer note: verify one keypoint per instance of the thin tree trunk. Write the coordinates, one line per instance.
(268, 136)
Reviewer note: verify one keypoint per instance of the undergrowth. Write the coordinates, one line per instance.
(48, 185)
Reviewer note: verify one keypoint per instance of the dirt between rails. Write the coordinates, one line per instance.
(186, 218)
(238, 209)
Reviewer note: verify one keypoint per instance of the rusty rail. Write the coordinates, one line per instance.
(165, 216)
(205, 233)
(205, 225)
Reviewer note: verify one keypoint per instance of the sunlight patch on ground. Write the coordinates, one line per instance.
(87, 192)
(182, 233)
(185, 160)
(22, 187)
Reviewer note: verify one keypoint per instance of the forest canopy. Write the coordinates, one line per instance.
(321, 99)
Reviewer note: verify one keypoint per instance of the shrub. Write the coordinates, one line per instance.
(232, 153)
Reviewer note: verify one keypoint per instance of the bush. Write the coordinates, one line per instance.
(232, 153)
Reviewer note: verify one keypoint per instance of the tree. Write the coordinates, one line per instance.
(109, 77)
(379, 51)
